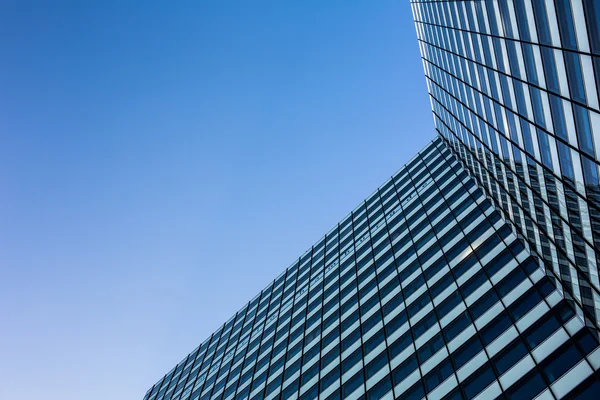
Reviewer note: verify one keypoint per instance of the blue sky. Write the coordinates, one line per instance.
(161, 163)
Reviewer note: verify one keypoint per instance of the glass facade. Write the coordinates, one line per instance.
(423, 290)
(473, 271)
(513, 87)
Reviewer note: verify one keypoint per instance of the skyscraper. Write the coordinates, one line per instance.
(473, 271)
(513, 87)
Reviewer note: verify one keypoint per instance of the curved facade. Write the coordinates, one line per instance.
(473, 271)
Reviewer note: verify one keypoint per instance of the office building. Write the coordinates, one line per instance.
(513, 87)
(424, 289)
(473, 271)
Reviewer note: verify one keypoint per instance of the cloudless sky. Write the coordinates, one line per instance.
(162, 162)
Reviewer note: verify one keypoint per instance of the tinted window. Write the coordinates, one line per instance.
(495, 328)
(466, 352)
(403, 370)
(541, 330)
(586, 340)
(483, 304)
(351, 360)
(374, 341)
(560, 362)
(478, 381)
(381, 389)
(457, 326)
(438, 375)
(352, 384)
(524, 304)
(414, 393)
(527, 388)
(510, 356)
(376, 364)
(431, 347)
(400, 344)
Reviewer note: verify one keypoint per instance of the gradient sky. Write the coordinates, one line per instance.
(161, 163)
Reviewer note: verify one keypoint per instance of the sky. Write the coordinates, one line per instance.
(162, 162)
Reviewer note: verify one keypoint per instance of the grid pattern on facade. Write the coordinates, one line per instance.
(423, 290)
(513, 87)
(473, 271)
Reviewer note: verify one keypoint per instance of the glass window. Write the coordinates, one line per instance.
(434, 268)
(558, 116)
(541, 20)
(351, 360)
(396, 323)
(447, 305)
(524, 304)
(465, 265)
(290, 390)
(588, 390)
(457, 326)
(565, 22)
(498, 262)
(592, 16)
(438, 375)
(409, 269)
(550, 69)
(309, 354)
(545, 286)
(414, 393)
(473, 283)
(544, 148)
(564, 157)
(392, 304)
(487, 246)
(350, 320)
(376, 364)
(458, 247)
(380, 390)
(509, 282)
(403, 370)
(430, 348)
(495, 328)
(478, 381)
(467, 351)
(521, 14)
(418, 304)
(350, 339)
(454, 395)
(424, 324)
(400, 344)
(505, 16)
(564, 311)
(510, 356)
(309, 374)
(584, 134)
(527, 388)
(441, 285)
(332, 377)
(560, 361)
(372, 321)
(538, 109)
(310, 394)
(590, 171)
(586, 340)
(352, 384)
(541, 330)
(373, 341)
(575, 76)
(331, 356)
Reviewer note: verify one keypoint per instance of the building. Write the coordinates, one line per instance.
(473, 271)
(513, 87)
(423, 289)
